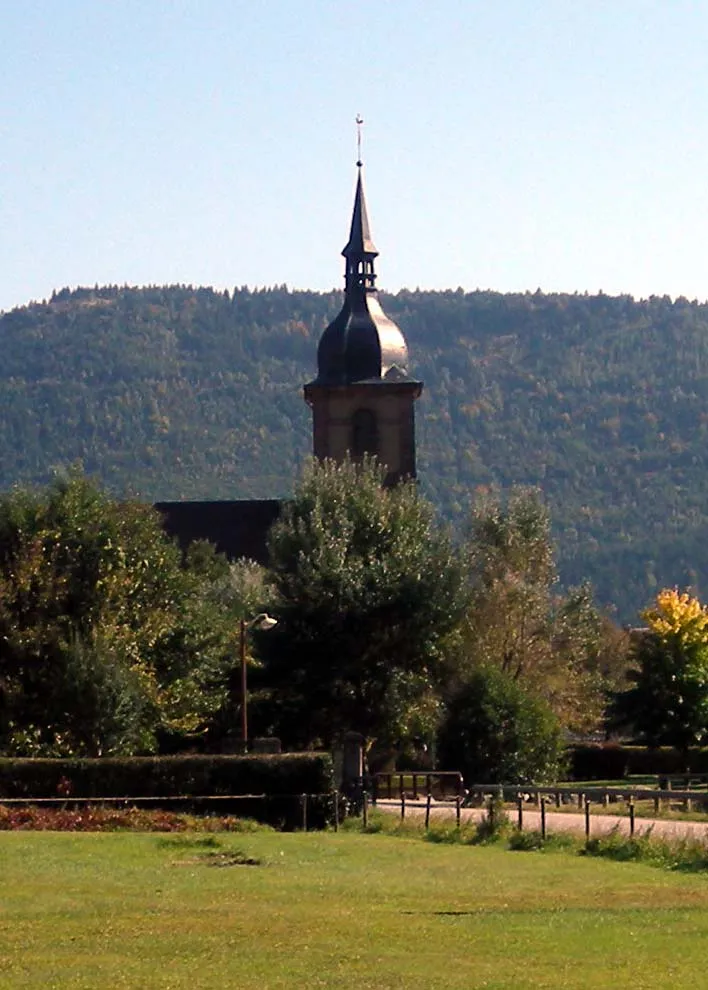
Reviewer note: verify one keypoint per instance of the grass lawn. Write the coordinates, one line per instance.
(155, 912)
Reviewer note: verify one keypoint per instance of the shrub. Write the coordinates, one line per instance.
(601, 762)
(610, 761)
(280, 778)
(494, 824)
(497, 732)
(168, 776)
(526, 841)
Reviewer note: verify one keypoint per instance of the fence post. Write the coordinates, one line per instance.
(558, 799)
(581, 801)
(543, 818)
(365, 810)
(427, 811)
(458, 804)
(303, 804)
(587, 819)
(403, 805)
(335, 796)
(520, 812)
(631, 817)
(490, 811)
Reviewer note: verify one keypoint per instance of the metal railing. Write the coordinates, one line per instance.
(439, 784)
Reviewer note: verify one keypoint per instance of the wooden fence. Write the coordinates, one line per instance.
(572, 794)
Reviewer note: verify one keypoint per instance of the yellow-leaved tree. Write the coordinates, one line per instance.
(676, 614)
(667, 703)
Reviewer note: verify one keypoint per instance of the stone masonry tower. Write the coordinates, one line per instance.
(362, 399)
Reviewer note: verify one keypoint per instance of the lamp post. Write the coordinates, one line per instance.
(261, 621)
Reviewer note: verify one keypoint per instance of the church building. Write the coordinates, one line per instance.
(362, 402)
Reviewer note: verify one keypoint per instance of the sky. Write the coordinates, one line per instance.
(508, 144)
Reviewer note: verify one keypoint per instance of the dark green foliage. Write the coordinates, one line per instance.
(165, 776)
(667, 704)
(601, 762)
(183, 392)
(613, 762)
(282, 779)
(107, 636)
(367, 590)
(497, 732)
(526, 841)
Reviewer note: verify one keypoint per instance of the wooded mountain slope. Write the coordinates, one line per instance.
(175, 392)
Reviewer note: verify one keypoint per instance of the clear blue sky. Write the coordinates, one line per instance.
(509, 144)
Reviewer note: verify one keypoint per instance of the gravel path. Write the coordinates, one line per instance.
(560, 821)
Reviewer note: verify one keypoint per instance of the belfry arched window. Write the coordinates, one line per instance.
(365, 433)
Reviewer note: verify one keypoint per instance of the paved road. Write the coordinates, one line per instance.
(561, 821)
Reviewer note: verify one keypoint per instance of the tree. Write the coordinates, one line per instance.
(106, 637)
(668, 701)
(494, 731)
(518, 620)
(368, 590)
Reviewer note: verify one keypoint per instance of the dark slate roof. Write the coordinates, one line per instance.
(239, 529)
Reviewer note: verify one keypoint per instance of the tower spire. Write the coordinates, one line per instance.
(362, 398)
(360, 246)
(360, 249)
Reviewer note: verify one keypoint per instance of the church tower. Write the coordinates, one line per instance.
(362, 399)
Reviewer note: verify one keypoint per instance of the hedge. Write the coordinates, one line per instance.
(611, 761)
(281, 777)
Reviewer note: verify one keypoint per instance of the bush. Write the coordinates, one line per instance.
(526, 841)
(281, 778)
(496, 732)
(610, 761)
(601, 762)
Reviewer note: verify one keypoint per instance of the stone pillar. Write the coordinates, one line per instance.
(353, 763)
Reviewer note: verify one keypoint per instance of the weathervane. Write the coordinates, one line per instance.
(359, 122)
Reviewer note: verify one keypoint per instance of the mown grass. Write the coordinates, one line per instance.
(346, 910)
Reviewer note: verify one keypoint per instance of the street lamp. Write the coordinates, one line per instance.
(261, 621)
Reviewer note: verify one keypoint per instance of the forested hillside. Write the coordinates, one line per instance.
(177, 392)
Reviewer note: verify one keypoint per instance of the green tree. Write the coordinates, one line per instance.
(552, 643)
(368, 591)
(107, 638)
(495, 731)
(667, 703)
